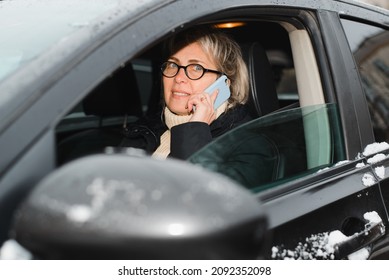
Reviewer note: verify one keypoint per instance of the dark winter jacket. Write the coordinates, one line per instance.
(186, 138)
(145, 134)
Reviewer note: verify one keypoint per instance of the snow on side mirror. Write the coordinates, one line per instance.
(121, 207)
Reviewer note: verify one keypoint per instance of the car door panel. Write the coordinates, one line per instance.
(380, 168)
(337, 203)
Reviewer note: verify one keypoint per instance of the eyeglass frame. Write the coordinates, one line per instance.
(205, 70)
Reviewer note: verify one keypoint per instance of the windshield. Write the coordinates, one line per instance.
(29, 27)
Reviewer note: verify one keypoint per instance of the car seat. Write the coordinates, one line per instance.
(117, 96)
(263, 95)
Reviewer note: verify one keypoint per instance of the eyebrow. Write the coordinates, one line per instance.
(191, 61)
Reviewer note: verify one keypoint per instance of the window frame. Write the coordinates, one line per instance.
(360, 54)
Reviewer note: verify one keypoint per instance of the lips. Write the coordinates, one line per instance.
(177, 93)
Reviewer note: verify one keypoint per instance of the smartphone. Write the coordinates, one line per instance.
(224, 90)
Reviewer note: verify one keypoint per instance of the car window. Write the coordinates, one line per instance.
(277, 148)
(278, 51)
(98, 120)
(139, 81)
(370, 46)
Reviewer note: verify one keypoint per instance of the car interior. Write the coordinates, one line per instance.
(284, 76)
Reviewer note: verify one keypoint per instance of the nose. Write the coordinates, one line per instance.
(181, 76)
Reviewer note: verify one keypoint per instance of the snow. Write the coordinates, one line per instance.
(375, 148)
(323, 169)
(322, 245)
(99, 193)
(377, 158)
(342, 162)
(368, 180)
(380, 171)
(372, 217)
(360, 165)
(317, 246)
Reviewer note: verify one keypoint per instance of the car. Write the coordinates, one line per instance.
(77, 76)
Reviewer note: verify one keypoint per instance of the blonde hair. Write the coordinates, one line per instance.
(226, 54)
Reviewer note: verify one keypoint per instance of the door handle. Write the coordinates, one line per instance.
(372, 231)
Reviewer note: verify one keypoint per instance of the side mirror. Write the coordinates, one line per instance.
(121, 207)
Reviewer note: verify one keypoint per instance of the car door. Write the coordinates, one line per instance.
(329, 218)
(370, 48)
(325, 211)
(333, 209)
(357, 207)
(377, 156)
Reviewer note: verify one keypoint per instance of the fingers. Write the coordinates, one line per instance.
(202, 99)
(199, 100)
(203, 104)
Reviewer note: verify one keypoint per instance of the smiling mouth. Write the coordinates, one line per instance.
(180, 93)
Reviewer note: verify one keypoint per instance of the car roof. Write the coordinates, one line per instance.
(78, 26)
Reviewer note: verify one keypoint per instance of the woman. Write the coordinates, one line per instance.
(197, 58)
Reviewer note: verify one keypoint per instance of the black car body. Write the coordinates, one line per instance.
(326, 100)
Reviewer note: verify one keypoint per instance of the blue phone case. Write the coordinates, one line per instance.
(224, 90)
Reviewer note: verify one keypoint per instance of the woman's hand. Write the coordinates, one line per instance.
(201, 105)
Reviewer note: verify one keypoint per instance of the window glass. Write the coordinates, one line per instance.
(370, 46)
(285, 76)
(252, 36)
(277, 148)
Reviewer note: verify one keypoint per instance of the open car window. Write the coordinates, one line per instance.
(283, 74)
(277, 148)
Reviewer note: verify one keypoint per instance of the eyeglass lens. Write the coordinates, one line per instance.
(192, 71)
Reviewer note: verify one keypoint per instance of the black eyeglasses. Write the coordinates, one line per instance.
(192, 71)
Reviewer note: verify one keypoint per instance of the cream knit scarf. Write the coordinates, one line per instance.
(171, 120)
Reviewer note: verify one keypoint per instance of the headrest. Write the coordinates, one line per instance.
(263, 94)
(118, 95)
